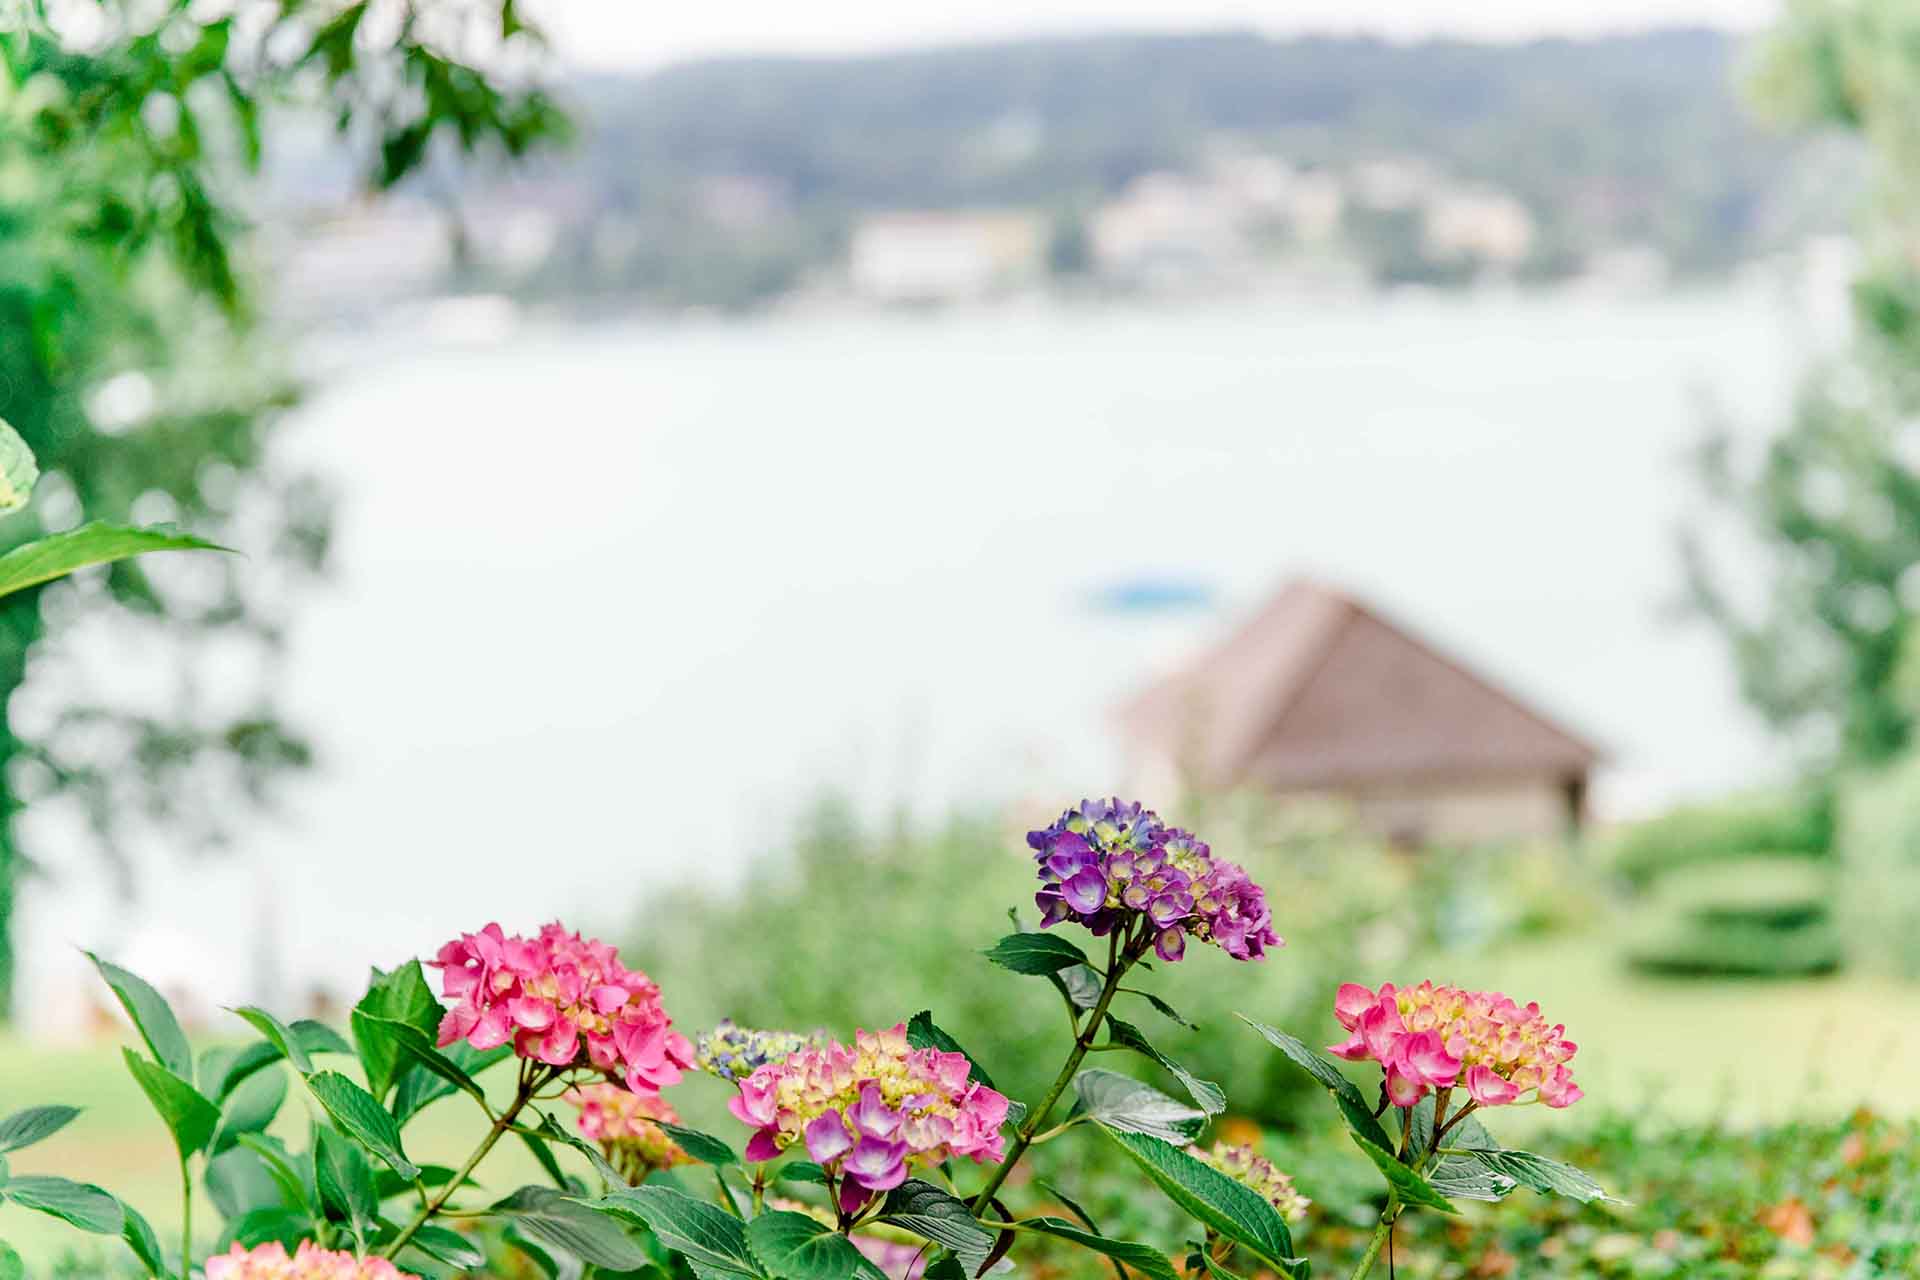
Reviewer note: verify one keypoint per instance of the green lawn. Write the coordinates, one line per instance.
(1748, 1052)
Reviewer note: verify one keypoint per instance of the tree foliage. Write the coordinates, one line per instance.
(132, 364)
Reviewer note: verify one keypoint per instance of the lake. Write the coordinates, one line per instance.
(615, 602)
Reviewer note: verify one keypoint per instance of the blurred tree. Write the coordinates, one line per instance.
(130, 358)
(1826, 650)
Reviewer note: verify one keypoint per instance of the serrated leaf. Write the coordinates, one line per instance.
(345, 1181)
(396, 1019)
(224, 1069)
(34, 1124)
(1205, 1193)
(929, 1212)
(1142, 1258)
(291, 1172)
(1133, 1106)
(706, 1234)
(1346, 1095)
(449, 1247)
(579, 1229)
(189, 1117)
(357, 1114)
(149, 1011)
(420, 1085)
(1035, 954)
(59, 554)
(792, 1246)
(1413, 1189)
(801, 1171)
(250, 1108)
(263, 1225)
(1538, 1173)
(1464, 1178)
(703, 1147)
(922, 1033)
(1161, 1007)
(279, 1035)
(80, 1203)
(239, 1181)
(1206, 1095)
(553, 1131)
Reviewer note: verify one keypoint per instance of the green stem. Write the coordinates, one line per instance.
(1379, 1240)
(186, 1220)
(500, 1126)
(1119, 959)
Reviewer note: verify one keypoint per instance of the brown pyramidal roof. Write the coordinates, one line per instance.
(1318, 690)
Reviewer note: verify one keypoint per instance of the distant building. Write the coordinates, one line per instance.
(1319, 696)
(1169, 229)
(1479, 223)
(945, 256)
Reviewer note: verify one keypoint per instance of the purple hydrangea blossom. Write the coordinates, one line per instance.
(1108, 862)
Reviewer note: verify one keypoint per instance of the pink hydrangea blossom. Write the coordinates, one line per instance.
(1255, 1172)
(270, 1262)
(867, 1113)
(563, 1000)
(624, 1124)
(1441, 1037)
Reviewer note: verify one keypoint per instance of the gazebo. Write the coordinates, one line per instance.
(1318, 694)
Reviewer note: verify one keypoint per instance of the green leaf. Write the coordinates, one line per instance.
(449, 1247)
(59, 554)
(792, 1246)
(1464, 1178)
(1205, 1193)
(138, 1233)
(923, 1034)
(708, 1235)
(1346, 1095)
(1161, 1007)
(801, 1171)
(1035, 953)
(1413, 1189)
(318, 1037)
(423, 1083)
(1121, 1102)
(929, 1212)
(345, 1182)
(190, 1118)
(151, 1016)
(11, 1268)
(1147, 1261)
(224, 1069)
(553, 1131)
(239, 1181)
(271, 1223)
(34, 1124)
(1537, 1173)
(17, 471)
(1206, 1095)
(251, 1108)
(82, 1204)
(279, 1035)
(580, 1230)
(362, 1118)
(398, 1019)
(294, 1174)
(703, 1147)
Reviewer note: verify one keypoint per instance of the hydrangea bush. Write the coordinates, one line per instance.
(892, 1155)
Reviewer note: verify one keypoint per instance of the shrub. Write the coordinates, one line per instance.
(1762, 917)
(1791, 825)
(1878, 845)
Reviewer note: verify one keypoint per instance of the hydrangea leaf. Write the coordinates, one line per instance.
(1206, 1095)
(18, 471)
(11, 1268)
(79, 1203)
(929, 1212)
(553, 1131)
(279, 1035)
(1346, 1094)
(1161, 1007)
(239, 1181)
(270, 1224)
(565, 1223)
(140, 1238)
(151, 1015)
(395, 1004)
(792, 1246)
(707, 1235)
(1144, 1259)
(345, 1182)
(295, 1176)
(388, 1047)
(703, 1147)
(250, 1108)
(1123, 1103)
(420, 1084)
(1413, 1189)
(1537, 1173)
(361, 1117)
(189, 1117)
(1035, 954)
(449, 1247)
(223, 1068)
(59, 554)
(34, 1124)
(1213, 1198)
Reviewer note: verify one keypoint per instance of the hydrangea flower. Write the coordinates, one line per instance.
(622, 1122)
(310, 1262)
(733, 1052)
(1258, 1174)
(562, 1000)
(867, 1113)
(1110, 862)
(1437, 1037)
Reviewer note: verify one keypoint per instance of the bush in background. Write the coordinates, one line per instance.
(1773, 824)
(1878, 847)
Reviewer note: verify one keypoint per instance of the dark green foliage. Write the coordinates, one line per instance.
(1785, 824)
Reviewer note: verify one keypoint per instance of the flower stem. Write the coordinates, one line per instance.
(1119, 960)
(186, 1220)
(1380, 1235)
(502, 1125)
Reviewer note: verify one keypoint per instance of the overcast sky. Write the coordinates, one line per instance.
(628, 33)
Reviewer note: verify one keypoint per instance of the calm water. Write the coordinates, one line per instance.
(615, 601)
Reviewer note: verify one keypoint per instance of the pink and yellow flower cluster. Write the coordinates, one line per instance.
(1437, 1037)
(867, 1112)
(563, 1000)
(624, 1124)
(270, 1262)
(1258, 1174)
